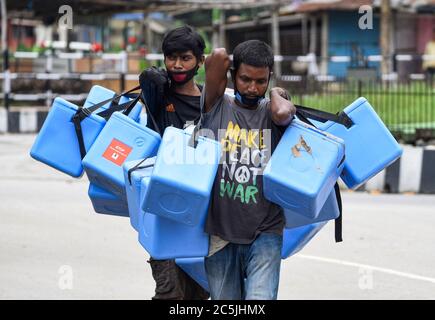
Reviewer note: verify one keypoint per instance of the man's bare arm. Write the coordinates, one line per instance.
(216, 67)
(281, 108)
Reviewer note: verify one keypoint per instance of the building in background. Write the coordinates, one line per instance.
(330, 28)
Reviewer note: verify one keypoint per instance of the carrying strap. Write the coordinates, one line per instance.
(79, 133)
(83, 113)
(338, 222)
(91, 109)
(126, 107)
(323, 116)
(137, 167)
(130, 105)
(193, 141)
(149, 114)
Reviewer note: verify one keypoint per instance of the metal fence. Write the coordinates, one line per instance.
(406, 107)
(406, 104)
(37, 78)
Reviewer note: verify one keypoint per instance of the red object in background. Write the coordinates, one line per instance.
(143, 51)
(96, 47)
(425, 24)
(132, 40)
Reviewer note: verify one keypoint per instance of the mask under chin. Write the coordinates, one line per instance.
(243, 99)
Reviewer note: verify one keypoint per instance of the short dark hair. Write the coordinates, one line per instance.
(255, 53)
(183, 39)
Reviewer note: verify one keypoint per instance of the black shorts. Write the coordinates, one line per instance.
(172, 283)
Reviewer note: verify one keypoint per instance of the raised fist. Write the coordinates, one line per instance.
(153, 78)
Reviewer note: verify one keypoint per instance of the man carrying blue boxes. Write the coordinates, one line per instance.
(246, 229)
(173, 99)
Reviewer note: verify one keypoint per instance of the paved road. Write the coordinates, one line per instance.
(53, 246)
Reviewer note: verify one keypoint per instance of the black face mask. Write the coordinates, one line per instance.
(183, 77)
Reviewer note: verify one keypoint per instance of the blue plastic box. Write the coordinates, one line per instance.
(295, 239)
(56, 144)
(135, 112)
(99, 94)
(133, 185)
(370, 147)
(122, 139)
(303, 169)
(164, 238)
(330, 211)
(107, 203)
(183, 177)
(195, 268)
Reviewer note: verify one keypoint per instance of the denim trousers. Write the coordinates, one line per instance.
(246, 271)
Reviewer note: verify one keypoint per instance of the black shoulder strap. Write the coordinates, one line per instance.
(137, 167)
(193, 141)
(78, 128)
(339, 220)
(106, 114)
(323, 116)
(149, 114)
(114, 98)
(83, 113)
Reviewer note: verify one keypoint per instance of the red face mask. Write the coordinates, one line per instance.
(180, 78)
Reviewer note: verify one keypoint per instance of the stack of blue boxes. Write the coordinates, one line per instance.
(122, 139)
(164, 184)
(104, 201)
(134, 172)
(176, 196)
(57, 143)
(370, 147)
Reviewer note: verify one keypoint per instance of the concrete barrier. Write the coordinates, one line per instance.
(22, 120)
(3, 121)
(413, 172)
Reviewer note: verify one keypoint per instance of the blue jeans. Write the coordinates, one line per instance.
(246, 271)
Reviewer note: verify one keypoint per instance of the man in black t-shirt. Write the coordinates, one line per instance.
(245, 228)
(173, 99)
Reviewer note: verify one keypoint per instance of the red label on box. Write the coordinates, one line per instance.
(117, 152)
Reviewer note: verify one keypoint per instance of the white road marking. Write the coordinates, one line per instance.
(366, 266)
